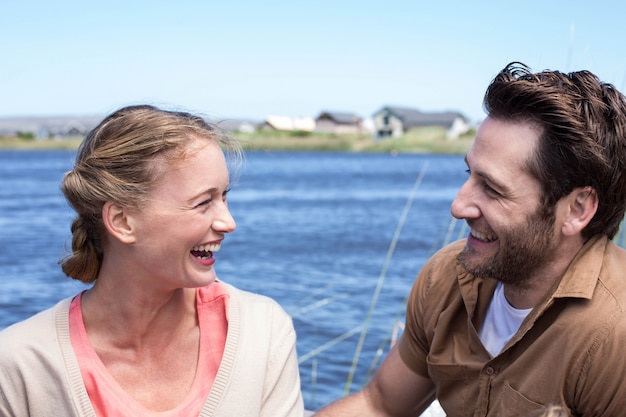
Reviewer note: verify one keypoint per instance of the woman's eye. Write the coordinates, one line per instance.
(224, 194)
(204, 203)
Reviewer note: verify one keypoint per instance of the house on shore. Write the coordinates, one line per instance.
(339, 123)
(289, 124)
(238, 125)
(395, 121)
(49, 127)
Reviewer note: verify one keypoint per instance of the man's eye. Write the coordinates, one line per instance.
(490, 189)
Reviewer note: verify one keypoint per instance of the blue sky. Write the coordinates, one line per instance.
(251, 59)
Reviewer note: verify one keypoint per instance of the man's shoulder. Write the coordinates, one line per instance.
(452, 249)
(446, 257)
(441, 272)
(611, 273)
(615, 258)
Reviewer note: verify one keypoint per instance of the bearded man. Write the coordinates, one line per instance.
(530, 309)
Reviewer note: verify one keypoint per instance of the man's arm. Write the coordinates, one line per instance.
(395, 390)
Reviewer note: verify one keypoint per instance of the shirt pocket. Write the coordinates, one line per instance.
(454, 384)
(511, 399)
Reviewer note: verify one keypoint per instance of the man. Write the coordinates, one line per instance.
(530, 309)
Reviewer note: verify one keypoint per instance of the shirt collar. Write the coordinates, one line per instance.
(579, 280)
(581, 277)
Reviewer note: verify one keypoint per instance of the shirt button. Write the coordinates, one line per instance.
(490, 370)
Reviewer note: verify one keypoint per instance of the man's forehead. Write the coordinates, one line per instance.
(503, 149)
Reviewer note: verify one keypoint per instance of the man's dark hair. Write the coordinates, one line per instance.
(583, 135)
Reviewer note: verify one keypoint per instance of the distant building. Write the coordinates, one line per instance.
(395, 121)
(238, 125)
(338, 122)
(49, 127)
(289, 124)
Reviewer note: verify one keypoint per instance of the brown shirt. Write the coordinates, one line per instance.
(570, 349)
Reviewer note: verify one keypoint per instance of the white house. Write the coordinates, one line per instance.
(395, 121)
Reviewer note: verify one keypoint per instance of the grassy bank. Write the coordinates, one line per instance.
(425, 140)
(35, 144)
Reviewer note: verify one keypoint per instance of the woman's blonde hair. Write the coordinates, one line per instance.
(117, 162)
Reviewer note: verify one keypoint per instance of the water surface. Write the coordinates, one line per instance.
(314, 231)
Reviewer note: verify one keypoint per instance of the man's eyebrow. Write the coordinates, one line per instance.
(502, 187)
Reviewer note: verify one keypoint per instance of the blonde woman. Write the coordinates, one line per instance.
(157, 334)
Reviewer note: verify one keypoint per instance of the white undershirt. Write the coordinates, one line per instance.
(501, 323)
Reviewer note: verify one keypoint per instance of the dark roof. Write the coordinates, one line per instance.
(343, 118)
(414, 118)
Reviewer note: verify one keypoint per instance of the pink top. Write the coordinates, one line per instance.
(107, 396)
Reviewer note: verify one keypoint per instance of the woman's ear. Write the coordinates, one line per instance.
(583, 204)
(118, 222)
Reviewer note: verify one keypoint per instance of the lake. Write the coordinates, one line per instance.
(336, 238)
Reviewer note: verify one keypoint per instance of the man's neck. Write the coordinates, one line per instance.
(543, 281)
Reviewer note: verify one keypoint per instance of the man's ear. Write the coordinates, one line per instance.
(118, 222)
(582, 206)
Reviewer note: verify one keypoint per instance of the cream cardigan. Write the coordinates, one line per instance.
(258, 374)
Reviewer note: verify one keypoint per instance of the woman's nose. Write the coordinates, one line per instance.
(224, 222)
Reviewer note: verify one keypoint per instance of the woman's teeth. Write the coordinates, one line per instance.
(205, 251)
(212, 247)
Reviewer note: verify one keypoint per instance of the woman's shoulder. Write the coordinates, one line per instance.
(251, 298)
(34, 327)
(36, 333)
(257, 308)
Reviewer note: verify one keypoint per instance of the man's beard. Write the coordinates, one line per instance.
(524, 248)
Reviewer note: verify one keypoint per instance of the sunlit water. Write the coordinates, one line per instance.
(314, 232)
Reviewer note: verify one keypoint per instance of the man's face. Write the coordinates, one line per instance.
(512, 237)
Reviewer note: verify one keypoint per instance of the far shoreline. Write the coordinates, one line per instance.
(424, 140)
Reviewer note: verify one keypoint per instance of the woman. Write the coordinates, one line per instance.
(157, 334)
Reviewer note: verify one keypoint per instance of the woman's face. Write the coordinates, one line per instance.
(185, 220)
